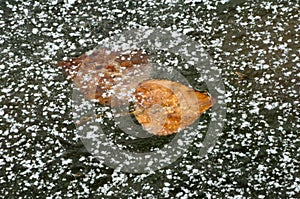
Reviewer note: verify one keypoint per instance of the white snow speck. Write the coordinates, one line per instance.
(35, 30)
(6, 90)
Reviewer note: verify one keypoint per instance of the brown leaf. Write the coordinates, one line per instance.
(164, 107)
(105, 74)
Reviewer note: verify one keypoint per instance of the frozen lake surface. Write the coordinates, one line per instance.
(256, 46)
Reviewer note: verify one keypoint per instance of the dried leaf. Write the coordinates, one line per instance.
(104, 74)
(164, 107)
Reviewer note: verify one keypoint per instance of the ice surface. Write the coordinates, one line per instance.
(257, 154)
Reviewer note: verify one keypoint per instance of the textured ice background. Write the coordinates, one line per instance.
(257, 155)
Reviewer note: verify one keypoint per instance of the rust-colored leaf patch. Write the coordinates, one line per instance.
(164, 107)
(104, 74)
